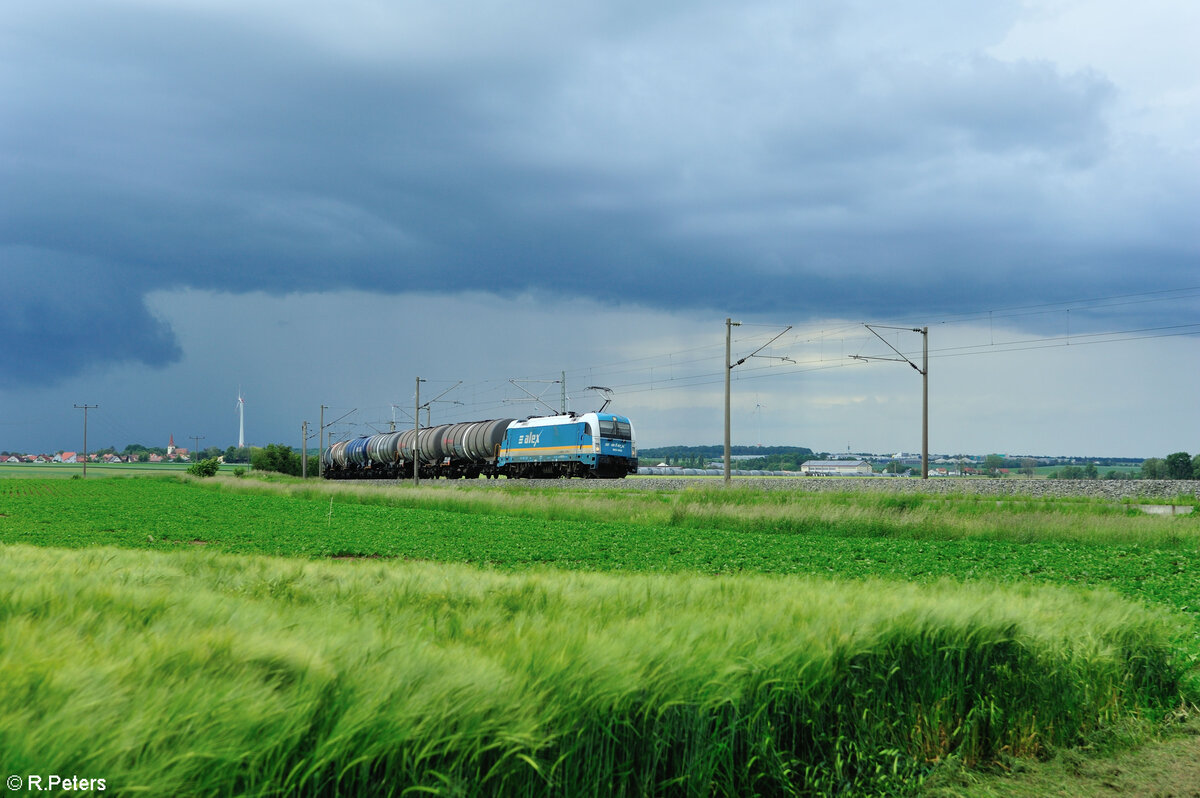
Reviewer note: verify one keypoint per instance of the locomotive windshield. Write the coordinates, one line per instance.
(615, 428)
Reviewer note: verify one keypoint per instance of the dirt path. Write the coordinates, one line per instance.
(1169, 768)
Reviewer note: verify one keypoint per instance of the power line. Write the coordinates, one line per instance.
(85, 408)
(803, 366)
(923, 370)
(691, 367)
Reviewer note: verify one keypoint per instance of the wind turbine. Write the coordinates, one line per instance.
(241, 408)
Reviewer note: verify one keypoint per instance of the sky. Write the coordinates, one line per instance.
(315, 204)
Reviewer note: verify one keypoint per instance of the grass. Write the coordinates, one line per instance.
(203, 674)
(1069, 542)
(745, 509)
(945, 630)
(1162, 769)
(1131, 471)
(75, 470)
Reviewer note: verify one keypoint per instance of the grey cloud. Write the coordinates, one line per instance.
(685, 157)
(64, 315)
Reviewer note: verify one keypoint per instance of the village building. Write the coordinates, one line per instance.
(836, 468)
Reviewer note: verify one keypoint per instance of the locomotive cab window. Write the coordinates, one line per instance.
(615, 428)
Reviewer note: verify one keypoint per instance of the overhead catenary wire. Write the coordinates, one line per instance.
(803, 366)
(691, 367)
(813, 349)
(821, 364)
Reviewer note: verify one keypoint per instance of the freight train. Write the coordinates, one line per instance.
(545, 447)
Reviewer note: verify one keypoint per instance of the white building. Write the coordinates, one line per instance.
(836, 468)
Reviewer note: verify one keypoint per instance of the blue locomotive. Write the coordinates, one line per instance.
(543, 447)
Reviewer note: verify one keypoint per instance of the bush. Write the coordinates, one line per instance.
(278, 457)
(204, 468)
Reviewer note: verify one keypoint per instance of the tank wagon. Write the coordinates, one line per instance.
(569, 445)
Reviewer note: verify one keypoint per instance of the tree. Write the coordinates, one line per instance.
(1028, 466)
(237, 455)
(204, 468)
(1196, 467)
(276, 457)
(1154, 468)
(1178, 466)
(992, 464)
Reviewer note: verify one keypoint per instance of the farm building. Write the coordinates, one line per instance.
(836, 468)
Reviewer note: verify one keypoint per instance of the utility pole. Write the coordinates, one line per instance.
(925, 403)
(417, 435)
(321, 457)
(923, 370)
(321, 444)
(729, 367)
(196, 448)
(304, 450)
(429, 405)
(729, 325)
(563, 400)
(85, 408)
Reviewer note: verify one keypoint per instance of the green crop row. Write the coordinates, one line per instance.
(488, 529)
(1145, 557)
(205, 674)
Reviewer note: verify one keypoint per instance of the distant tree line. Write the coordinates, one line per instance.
(777, 462)
(232, 454)
(1089, 471)
(766, 458)
(1179, 465)
(278, 457)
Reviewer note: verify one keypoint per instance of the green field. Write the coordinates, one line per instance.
(1125, 471)
(75, 470)
(240, 636)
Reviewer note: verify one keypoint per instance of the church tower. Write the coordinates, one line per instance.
(171, 447)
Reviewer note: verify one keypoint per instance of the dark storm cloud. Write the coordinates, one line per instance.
(66, 314)
(759, 158)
